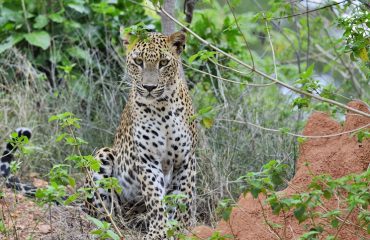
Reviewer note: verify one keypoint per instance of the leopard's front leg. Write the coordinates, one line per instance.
(152, 187)
(184, 184)
(103, 202)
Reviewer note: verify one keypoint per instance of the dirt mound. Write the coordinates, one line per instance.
(338, 156)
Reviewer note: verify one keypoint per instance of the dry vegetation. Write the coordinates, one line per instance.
(244, 127)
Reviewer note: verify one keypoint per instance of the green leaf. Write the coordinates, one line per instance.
(95, 221)
(10, 42)
(79, 53)
(192, 58)
(56, 17)
(327, 194)
(40, 193)
(40, 39)
(334, 223)
(103, 8)
(207, 122)
(61, 116)
(299, 213)
(361, 135)
(255, 192)
(40, 21)
(71, 198)
(284, 130)
(113, 235)
(79, 8)
(205, 110)
(61, 137)
(97, 232)
(308, 73)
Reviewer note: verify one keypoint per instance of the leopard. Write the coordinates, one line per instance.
(153, 153)
(22, 135)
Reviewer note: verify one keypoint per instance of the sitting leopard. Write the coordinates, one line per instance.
(153, 153)
(7, 158)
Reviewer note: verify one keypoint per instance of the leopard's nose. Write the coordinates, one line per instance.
(150, 87)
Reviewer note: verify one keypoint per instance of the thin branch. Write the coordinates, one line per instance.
(356, 84)
(266, 220)
(343, 223)
(240, 31)
(262, 73)
(308, 35)
(229, 68)
(295, 134)
(25, 16)
(309, 11)
(272, 49)
(228, 80)
(91, 180)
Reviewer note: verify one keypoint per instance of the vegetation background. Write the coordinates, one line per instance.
(67, 55)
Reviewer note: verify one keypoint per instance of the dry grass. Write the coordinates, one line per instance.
(226, 151)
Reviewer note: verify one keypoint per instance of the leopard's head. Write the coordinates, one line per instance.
(153, 65)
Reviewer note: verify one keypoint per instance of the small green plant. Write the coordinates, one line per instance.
(174, 202)
(15, 166)
(362, 135)
(2, 227)
(60, 175)
(351, 192)
(356, 34)
(18, 142)
(218, 236)
(51, 194)
(224, 208)
(103, 230)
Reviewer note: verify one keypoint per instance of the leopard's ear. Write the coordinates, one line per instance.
(177, 41)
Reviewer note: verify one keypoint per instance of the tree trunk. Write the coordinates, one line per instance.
(168, 26)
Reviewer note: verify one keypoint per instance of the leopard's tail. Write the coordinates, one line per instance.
(7, 157)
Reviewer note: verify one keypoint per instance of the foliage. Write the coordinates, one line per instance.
(356, 33)
(67, 56)
(350, 192)
(61, 179)
(224, 208)
(104, 230)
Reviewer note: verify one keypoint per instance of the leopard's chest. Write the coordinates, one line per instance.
(162, 138)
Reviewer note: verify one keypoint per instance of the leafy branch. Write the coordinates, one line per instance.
(292, 88)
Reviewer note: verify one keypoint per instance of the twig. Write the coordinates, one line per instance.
(344, 221)
(356, 84)
(240, 31)
(309, 11)
(272, 49)
(25, 16)
(264, 74)
(109, 215)
(228, 68)
(266, 221)
(228, 80)
(295, 134)
(308, 35)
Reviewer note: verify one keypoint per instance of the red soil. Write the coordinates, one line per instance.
(337, 156)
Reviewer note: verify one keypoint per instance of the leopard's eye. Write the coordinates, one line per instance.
(138, 61)
(163, 63)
